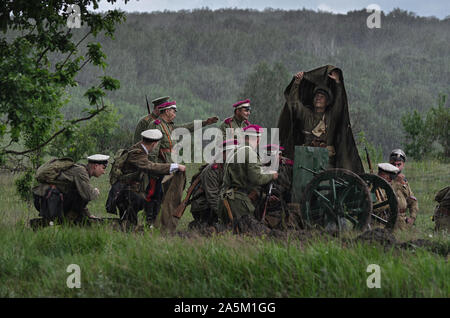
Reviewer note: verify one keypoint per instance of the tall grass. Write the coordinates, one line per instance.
(150, 264)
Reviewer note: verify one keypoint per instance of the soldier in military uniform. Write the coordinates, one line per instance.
(168, 112)
(134, 196)
(238, 121)
(316, 115)
(66, 195)
(277, 212)
(242, 178)
(407, 200)
(441, 215)
(206, 197)
(165, 124)
(145, 121)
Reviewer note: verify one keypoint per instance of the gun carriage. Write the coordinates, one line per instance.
(339, 199)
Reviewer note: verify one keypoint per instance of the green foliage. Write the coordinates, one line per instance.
(428, 135)
(24, 184)
(41, 57)
(98, 135)
(264, 87)
(375, 152)
(206, 61)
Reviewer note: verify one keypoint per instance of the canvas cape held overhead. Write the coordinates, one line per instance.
(347, 156)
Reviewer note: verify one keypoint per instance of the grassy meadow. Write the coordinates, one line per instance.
(152, 264)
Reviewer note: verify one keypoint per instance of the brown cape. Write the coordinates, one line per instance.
(347, 156)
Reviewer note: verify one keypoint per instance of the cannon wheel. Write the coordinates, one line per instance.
(337, 197)
(384, 200)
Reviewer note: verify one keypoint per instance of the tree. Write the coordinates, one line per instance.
(40, 59)
(428, 135)
(264, 87)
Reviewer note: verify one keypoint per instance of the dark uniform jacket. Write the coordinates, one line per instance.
(138, 164)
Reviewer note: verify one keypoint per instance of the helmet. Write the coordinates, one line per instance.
(397, 154)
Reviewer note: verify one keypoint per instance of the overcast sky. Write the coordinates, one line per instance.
(437, 8)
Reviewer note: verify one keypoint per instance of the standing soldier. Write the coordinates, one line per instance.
(64, 188)
(407, 200)
(133, 197)
(168, 112)
(145, 121)
(239, 120)
(316, 115)
(206, 196)
(164, 123)
(242, 178)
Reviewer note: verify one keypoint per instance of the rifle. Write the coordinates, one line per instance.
(378, 193)
(266, 201)
(179, 211)
(148, 106)
(368, 160)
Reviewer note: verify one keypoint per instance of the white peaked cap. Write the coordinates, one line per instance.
(152, 134)
(387, 167)
(98, 158)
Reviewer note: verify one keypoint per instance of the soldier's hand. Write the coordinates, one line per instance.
(181, 168)
(299, 77)
(335, 75)
(211, 120)
(275, 176)
(96, 191)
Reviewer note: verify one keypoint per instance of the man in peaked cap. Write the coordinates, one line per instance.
(164, 123)
(146, 120)
(206, 197)
(387, 171)
(162, 153)
(316, 114)
(238, 120)
(406, 198)
(64, 188)
(242, 178)
(137, 195)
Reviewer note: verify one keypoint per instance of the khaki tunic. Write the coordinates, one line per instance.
(76, 179)
(318, 129)
(161, 153)
(406, 201)
(142, 125)
(239, 180)
(210, 182)
(233, 123)
(138, 165)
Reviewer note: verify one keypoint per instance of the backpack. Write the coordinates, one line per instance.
(49, 171)
(116, 168)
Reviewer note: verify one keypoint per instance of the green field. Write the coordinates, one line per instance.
(150, 264)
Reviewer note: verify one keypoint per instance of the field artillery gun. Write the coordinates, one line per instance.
(339, 199)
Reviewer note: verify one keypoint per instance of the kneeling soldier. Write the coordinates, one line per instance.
(205, 198)
(242, 179)
(134, 197)
(276, 214)
(64, 188)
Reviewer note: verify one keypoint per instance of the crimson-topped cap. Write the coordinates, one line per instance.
(168, 105)
(242, 104)
(253, 130)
